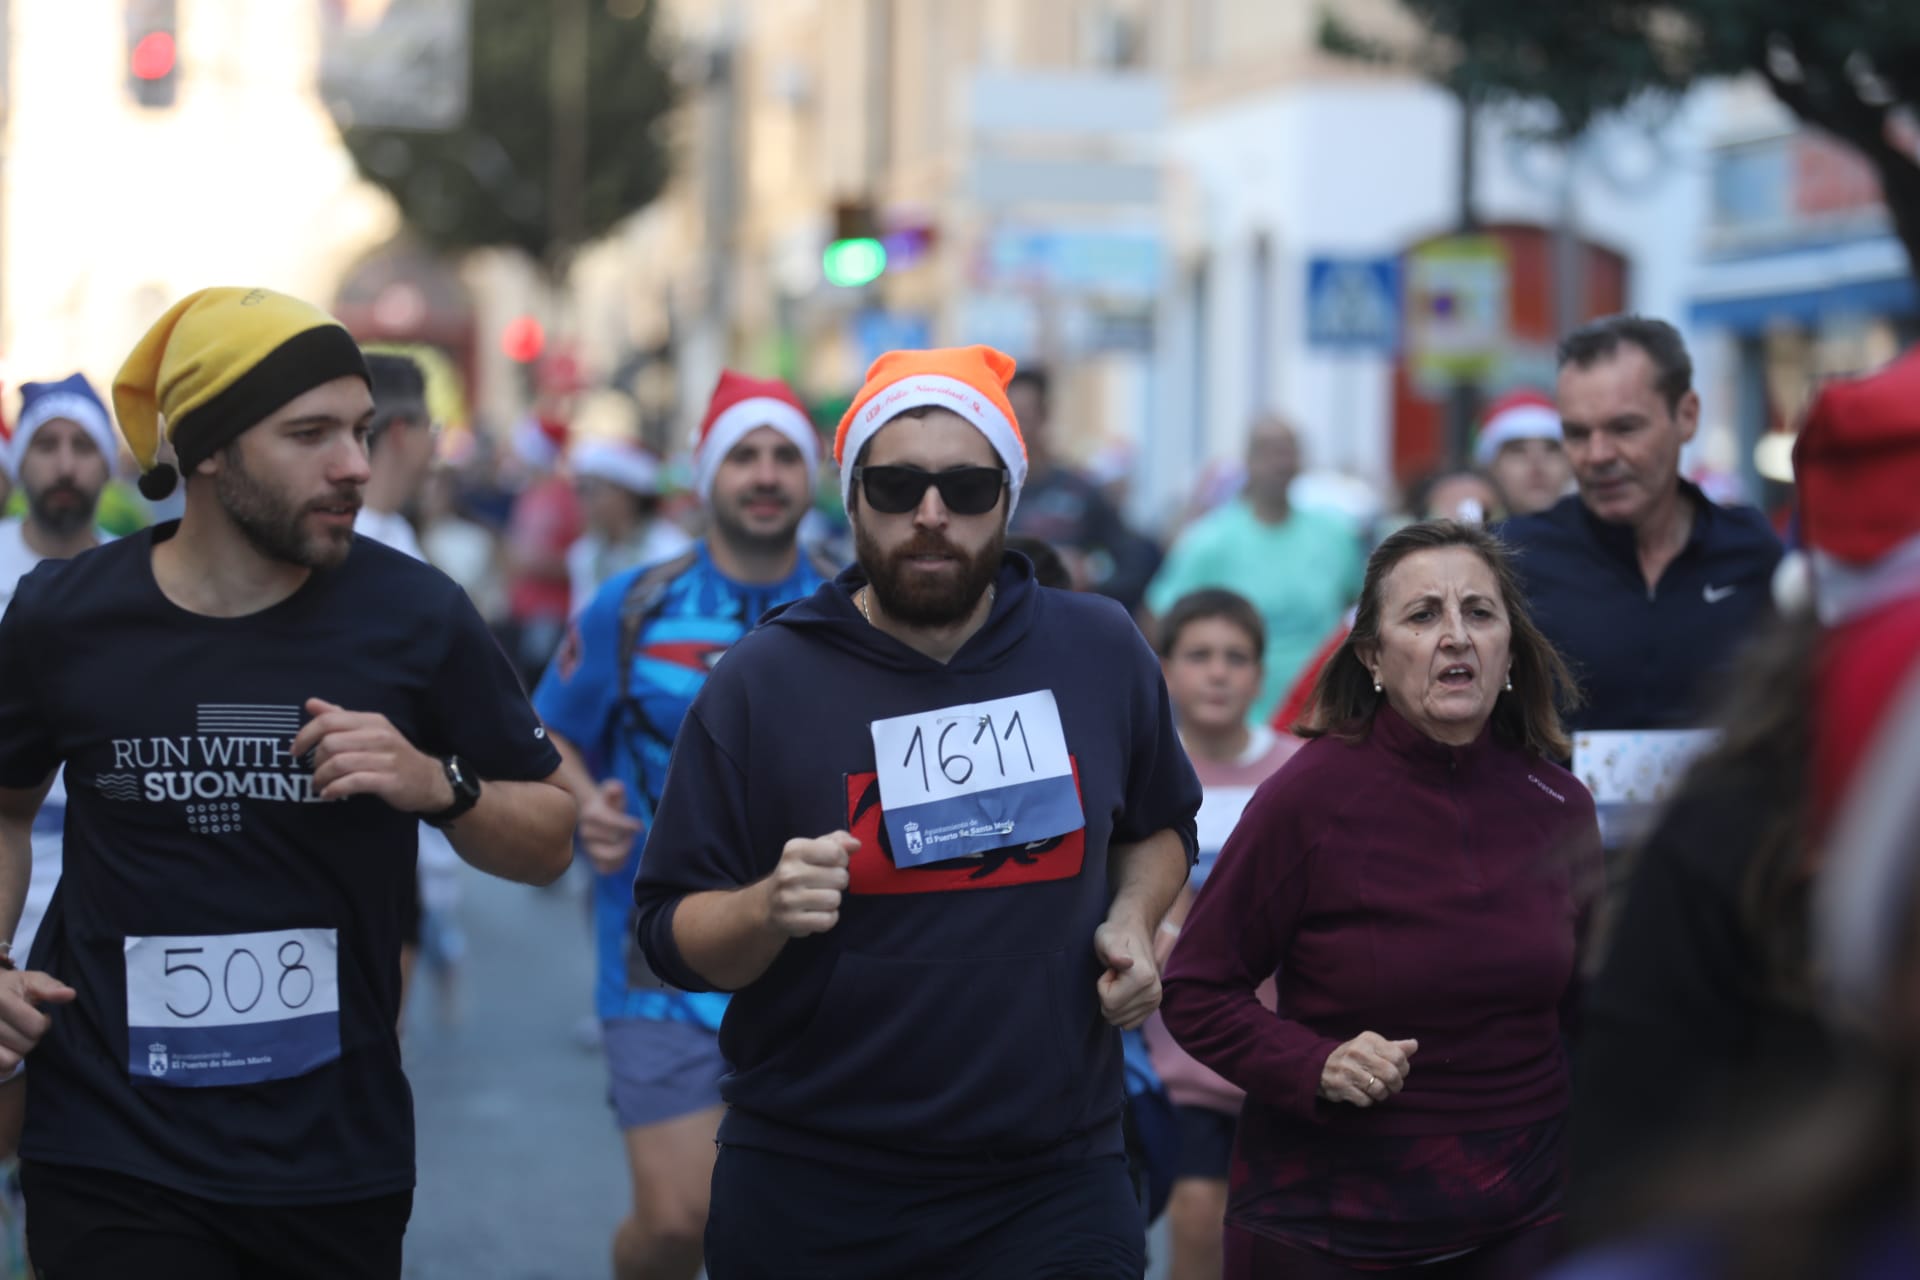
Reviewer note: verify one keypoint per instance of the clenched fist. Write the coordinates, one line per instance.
(804, 890)
(24, 995)
(607, 830)
(1367, 1070)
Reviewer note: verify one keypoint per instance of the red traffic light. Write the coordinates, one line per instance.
(523, 340)
(152, 58)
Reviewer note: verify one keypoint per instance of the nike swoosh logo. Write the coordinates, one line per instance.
(1714, 595)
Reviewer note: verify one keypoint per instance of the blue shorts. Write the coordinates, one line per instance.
(781, 1217)
(1206, 1143)
(659, 1071)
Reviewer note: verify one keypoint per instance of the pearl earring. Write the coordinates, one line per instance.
(1509, 679)
(1377, 686)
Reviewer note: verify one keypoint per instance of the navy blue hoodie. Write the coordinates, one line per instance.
(950, 1019)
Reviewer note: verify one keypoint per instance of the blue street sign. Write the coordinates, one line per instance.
(1353, 303)
(878, 332)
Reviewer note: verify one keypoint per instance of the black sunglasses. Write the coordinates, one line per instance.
(966, 491)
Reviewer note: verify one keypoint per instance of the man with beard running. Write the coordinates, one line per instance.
(62, 455)
(923, 825)
(254, 709)
(614, 699)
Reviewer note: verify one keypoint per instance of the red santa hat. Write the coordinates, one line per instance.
(741, 405)
(1524, 414)
(1857, 464)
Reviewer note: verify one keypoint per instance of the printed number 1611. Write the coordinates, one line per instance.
(957, 766)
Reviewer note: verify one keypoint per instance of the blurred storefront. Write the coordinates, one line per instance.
(1004, 156)
(1800, 279)
(1303, 190)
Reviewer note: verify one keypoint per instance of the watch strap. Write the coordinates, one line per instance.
(466, 792)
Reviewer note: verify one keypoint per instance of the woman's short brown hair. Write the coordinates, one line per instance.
(1344, 701)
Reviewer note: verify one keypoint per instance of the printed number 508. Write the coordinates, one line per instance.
(243, 981)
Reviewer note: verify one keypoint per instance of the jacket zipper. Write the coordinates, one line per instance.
(1468, 862)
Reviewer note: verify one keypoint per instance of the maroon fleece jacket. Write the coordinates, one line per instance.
(1407, 888)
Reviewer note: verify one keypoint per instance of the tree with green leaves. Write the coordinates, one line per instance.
(564, 136)
(1849, 67)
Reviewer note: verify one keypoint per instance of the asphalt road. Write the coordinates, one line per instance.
(521, 1172)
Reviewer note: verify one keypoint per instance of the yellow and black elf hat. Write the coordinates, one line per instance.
(218, 362)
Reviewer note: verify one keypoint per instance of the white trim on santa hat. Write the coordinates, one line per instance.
(61, 404)
(625, 466)
(741, 420)
(1843, 591)
(1863, 896)
(1522, 422)
(923, 390)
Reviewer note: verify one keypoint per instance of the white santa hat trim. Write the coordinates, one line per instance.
(1522, 422)
(626, 466)
(61, 404)
(739, 421)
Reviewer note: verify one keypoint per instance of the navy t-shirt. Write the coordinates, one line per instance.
(233, 939)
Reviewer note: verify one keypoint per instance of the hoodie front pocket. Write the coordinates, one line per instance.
(969, 1055)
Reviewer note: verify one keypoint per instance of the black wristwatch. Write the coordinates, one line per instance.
(466, 792)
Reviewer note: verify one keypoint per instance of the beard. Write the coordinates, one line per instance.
(271, 521)
(62, 508)
(939, 602)
(733, 529)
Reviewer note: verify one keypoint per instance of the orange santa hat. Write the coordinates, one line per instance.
(970, 382)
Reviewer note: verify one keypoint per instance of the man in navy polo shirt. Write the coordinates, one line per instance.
(1645, 585)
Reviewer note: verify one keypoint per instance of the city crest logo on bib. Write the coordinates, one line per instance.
(156, 1060)
(237, 751)
(873, 869)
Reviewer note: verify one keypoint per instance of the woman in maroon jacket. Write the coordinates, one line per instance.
(1417, 875)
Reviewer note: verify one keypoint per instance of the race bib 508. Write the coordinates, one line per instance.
(234, 1008)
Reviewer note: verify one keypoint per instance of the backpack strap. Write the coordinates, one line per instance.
(638, 607)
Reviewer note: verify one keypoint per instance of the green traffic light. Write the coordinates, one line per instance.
(850, 263)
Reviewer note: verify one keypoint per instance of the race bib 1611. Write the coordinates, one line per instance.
(965, 780)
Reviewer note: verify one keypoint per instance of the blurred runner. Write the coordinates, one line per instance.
(1301, 569)
(619, 487)
(614, 700)
(400, 448)
(924, 822)
(1210, 647)
(1066, 508)
(1644, 585)
(545, 522)
(463, 549)
(62, 449)
(255, 709)
(1519, 445)
(1467, 496)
